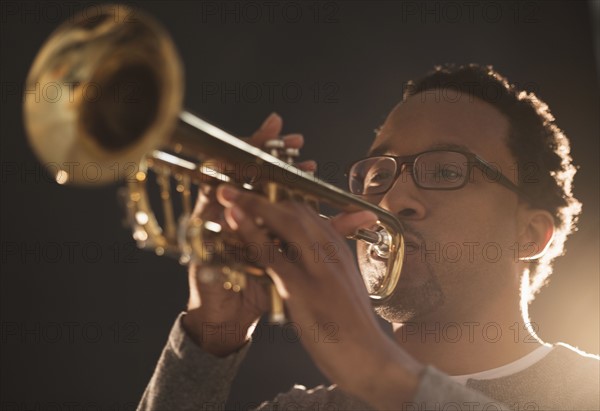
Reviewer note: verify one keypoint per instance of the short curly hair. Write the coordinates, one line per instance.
(541, 150)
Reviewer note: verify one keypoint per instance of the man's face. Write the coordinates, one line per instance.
(460, 252)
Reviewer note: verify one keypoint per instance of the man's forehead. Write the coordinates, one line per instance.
(425, 121)
(386, 148)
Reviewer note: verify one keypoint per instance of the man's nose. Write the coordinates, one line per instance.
(403, 198)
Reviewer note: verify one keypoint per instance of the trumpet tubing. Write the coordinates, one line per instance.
(127, 137)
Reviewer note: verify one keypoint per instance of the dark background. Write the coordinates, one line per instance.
(87, 329)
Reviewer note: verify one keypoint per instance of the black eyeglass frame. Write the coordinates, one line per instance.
(473, 160)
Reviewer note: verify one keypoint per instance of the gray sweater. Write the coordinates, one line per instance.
(187, 378)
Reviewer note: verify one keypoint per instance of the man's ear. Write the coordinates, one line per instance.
(536, 229)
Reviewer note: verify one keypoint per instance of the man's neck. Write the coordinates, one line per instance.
(459, 345)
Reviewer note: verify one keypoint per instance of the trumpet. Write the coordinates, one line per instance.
(94, 133)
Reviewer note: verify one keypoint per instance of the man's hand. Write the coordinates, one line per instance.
(219, 320)
(325, 294)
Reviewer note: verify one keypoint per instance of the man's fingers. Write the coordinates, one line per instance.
(308, 165)
(293, 140)
(283, 221)
(270, 129)
(267, 254)
(347, 223)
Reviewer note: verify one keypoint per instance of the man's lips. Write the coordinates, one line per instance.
(411, 245)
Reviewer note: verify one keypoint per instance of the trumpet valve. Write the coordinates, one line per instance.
(274, 147)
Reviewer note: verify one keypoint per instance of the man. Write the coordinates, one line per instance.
(453, 161)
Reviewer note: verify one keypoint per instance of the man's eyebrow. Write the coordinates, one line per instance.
(449, 146)
(379, 151)
(386, 148)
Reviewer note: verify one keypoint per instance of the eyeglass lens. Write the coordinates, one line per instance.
(434, 170)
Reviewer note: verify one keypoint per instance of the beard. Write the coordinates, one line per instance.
(417, 294)
(411, 304)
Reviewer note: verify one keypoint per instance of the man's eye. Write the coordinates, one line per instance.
(376, 178)
(449, 174)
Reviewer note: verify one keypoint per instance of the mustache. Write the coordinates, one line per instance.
(412, 235)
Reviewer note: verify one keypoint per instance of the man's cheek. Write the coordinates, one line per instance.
(454, 250)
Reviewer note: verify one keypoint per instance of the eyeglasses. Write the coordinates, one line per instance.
(431, 170)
